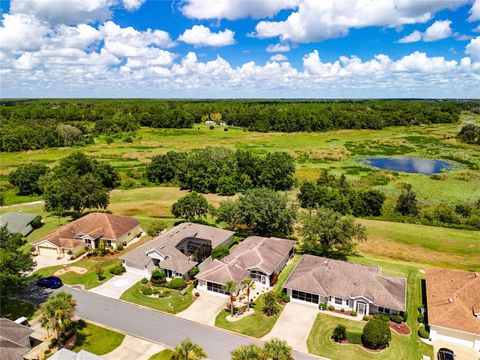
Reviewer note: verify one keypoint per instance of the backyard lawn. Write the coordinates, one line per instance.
(257, 324)
(162, 355)
(172, 304)
(13, 309)
(96, 339)
(401, 346)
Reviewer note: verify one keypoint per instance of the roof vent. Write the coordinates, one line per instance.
(450, 300)
(477, 274)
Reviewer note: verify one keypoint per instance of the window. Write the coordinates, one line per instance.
(299, 295)
(383, 310)
(216, 288)
(338, 301)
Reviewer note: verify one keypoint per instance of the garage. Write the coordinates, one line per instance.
(47, 250)
(303, 296)
(214, 287)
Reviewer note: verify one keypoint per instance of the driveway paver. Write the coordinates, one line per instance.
(204, 309)
(116, 286)
(294, 325)
(134, 348)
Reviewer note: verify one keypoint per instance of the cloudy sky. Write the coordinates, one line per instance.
(240, 48)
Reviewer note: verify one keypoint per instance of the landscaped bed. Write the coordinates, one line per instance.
(174, 303)
(402, 328)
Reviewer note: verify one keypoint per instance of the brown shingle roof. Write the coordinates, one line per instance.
(11, 334)
(252, 253)
(451, 298)
(327, 277)
(107, 226)
(166, 244)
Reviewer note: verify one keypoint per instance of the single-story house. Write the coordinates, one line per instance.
(453, 306)
(256, 257)
(18, 222)
(178, 250)
(352, 287)
(65, 354)
(15, 340)
(88, 231)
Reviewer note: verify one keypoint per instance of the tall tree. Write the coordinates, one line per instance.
(228, 212)
(248, 283)
(187, 350)
(57, 312)
(407, 201)
(190, 207)
(270, 304)
(328, 233)
(277, 349)
(14, 262)
(230, 287)
(26, 178)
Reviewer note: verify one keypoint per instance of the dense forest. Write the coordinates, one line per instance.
(36, 124)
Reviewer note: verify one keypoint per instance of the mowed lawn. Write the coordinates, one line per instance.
(428, 245)
(408, 347)
(96, 339)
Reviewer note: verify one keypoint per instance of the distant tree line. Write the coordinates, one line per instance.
(223, 171)
(36, 124)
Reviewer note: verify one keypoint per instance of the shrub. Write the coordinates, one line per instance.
(376, 334)
(147, 291)
(270, 305)
(354, 337)
(120, 247)
(158, 276)
(331, 307)
(423, 332)
(164, 293)
(366, 317)
(47, 352)
(421, 318)
(396, 319)
(117, 270)
(144, 281)
(405, 316)
(156, 227)
(342, 310)
(353, 313)
(322, 306)
(53, 343)
(382, 317)
(220, 252)
(285, 298)
(177, 283)
(339, 333)
(37, 222)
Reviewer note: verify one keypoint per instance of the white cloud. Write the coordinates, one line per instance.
(234, 9)
(475, 11)
(419, 62)
(319, 20)
(477, 29)
(278, 48)
(133, 4)
(22, 32)
(200, 35)
(26, 62)
(473, 49)
(79, 37)
(440, 29)
(278, 57)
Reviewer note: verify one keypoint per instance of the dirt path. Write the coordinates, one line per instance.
(38, 202)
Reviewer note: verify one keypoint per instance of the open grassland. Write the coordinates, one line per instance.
(338, 151)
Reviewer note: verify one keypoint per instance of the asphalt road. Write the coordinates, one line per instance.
(159, 327)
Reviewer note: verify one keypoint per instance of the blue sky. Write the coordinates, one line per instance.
(221, 48)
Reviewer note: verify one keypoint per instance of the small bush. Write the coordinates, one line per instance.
(331, 307)
(322, 306)
(285, 298)
(53, 343)
(177, 283)
(353, 313)
(164, 293)
(147, 291)
(47, 352)
(366, 318)
(382, 317)
(156, 227)
(405, 316)
(396, 319)
(220, 252)
(342, 310)
(211, 127)
(117, 270)
(354, 337)
(37, 222)
(120, 247)
(193, 272)
(376, 334)
(423, 333)
(144, 281)
(421, 318)
(339, 333)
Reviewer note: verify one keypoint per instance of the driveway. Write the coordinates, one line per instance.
(204, 309)
(294, 325)
(134, 348)
(461, 352)
(116, 286)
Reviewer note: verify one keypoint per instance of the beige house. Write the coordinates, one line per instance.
(256, 257)
(89, 230)
(352, 287)
(453, 306)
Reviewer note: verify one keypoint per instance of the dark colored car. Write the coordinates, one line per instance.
(51, 282)
(445, 354)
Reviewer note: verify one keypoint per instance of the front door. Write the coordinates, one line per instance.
(361, 308)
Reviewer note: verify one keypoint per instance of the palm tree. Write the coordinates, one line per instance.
(277, 349)
(187, 350)
(57, 312)
(230, 287)
(248, 282)
(247, 352)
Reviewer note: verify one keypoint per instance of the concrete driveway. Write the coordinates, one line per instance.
(117, 285)
(461, 352)
(294, 325)
(204, 309)
(134, 348)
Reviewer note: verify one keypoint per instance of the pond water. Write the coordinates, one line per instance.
(410, 165)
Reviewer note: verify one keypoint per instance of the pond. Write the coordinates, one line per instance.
(410, 165)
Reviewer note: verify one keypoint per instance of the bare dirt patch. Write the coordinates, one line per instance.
(75, 269)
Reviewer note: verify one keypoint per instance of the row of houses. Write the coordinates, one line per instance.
(452, 296)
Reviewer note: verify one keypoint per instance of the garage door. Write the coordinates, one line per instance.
(307, 297)
(134, 268)
(47, 251)
(215, 288)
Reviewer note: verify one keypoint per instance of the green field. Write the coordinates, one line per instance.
(96, 339)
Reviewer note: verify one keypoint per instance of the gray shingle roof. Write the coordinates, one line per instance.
(327, 277)
(18, 222)
(252, 253)
(166, 244)
(65, 354)
(11, 334)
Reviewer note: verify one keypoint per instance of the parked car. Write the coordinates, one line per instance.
(445, 354)
(51, 282)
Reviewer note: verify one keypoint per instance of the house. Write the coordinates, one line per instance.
(15, 340)
(88, 231)
(18, 222)
(65, 354)
(453, 306)
(347, 286)
(178, 250)
(256, 257)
